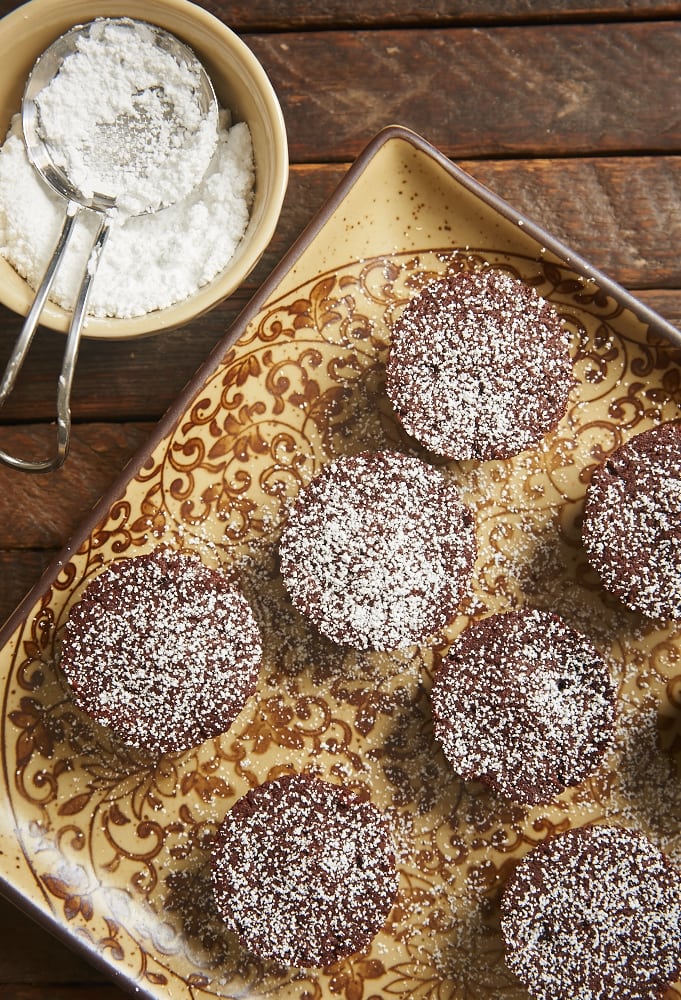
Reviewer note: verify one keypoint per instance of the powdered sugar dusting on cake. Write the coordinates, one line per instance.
(594, 914)
(163, 650)
(304, 871)
(479, 366)
(632, 522)
(377, 551)
(524, 703)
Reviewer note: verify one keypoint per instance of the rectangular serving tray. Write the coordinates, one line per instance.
(108, 850)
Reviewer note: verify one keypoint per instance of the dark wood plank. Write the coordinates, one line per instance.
(41, 511)
(273, 15)
(664, 301)
(112, 378)
(38, 514)
(549, 90)
(83, 991)
(22, 941)
(546, 89)
(303, 14)
(622, 214)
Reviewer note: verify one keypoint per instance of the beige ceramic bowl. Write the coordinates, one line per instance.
(240, 84)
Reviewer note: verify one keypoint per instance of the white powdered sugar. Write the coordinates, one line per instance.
(594, 914)
(632, 522)
(479, 366)
(162, 650)
(124, 117)
(304, 871)
(378, 550)
(524, 703)
(150, 261)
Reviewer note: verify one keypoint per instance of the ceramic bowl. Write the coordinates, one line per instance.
(241, 85)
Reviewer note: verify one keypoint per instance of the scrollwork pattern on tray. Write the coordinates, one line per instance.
(119, 843)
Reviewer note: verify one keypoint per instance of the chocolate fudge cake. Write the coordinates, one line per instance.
(479, 366)
(304, 871)
(162, 650)
(523, 703)
(632, 522)
(594, 914)
(378, 550)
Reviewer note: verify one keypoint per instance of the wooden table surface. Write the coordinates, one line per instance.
(569, 110)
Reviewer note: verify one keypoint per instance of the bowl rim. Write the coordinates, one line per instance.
(20, 297)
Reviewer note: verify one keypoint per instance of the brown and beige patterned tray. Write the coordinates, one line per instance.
(110, 850)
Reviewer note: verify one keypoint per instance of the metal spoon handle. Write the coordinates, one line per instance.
(72, 342)
(30, 326)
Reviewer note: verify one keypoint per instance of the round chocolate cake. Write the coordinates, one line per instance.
(632, 522)
(378, 550)
(162, 650)
(594, 914)
(523, 703)
(479, 366)
(304, 871)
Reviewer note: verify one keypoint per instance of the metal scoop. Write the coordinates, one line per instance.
(120, 144)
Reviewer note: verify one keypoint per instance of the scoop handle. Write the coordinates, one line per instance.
(28, 331)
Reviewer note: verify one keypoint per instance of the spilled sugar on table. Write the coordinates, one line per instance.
(571, 112)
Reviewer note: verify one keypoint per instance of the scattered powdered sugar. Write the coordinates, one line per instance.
(479, 366)
(162, 650)
(646, 790)
(124, 117)
(150, 261)
(594, 914)
(304, 871)
(524, 703)
(632, 522)
(378, 550)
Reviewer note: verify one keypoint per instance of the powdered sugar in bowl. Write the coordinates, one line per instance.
(120, 116)
(119, 120)
(242, 89)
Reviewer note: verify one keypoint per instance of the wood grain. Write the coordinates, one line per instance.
(273, 15)
(622, 214)
(38, 514)
(17, 965)
(547, 90)
(295, 15)
(48, 991)
(665, 301)
(42, 510)
(557, 89)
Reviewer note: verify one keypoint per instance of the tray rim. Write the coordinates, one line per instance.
(49, 922)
